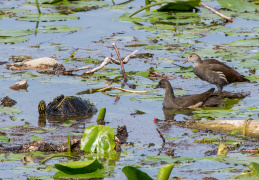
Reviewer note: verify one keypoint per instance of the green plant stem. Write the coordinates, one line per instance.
(149, 6)
(38, 7)
(147, 2)
(101, 114)
(68, 144)
(44, 160)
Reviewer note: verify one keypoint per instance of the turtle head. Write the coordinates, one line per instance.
(193, 58)
(42, 108)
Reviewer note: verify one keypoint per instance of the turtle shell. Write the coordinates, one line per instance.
(70, 106)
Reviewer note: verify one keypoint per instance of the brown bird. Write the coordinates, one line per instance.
(214, 72)
(187, 101)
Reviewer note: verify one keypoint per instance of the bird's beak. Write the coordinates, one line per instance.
(185, 61)
(157, 86)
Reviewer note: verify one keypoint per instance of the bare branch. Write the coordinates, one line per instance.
(216, 12)
(78, 69)
(110, 60)
(107, 88)
(106, 61)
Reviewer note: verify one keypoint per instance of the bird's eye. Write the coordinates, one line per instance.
(190, 55)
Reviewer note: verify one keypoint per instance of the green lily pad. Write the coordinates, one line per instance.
(13, 10)
(238, 6)
(79, 167)
(98, 139)
(57, 29)
(39, 1)
(36, 138)
(250, 64)
(45, 17)
(4, 138)
(249, 16)
(13, 39)
(96, 174)
(9, 110)
(246, 42)
(253, 174)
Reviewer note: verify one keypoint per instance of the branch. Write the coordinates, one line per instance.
(77, 69)
(104, 89)
(110, 60)
(106, 61)
(121, 63)
(216, 12)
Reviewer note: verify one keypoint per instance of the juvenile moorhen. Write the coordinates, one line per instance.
(187, 101)
(214, 72)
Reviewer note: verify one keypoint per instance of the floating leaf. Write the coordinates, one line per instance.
(96, 174)
(246, 42)
(14, 10)
(57, 29)
(13, 39)
(45, 17)
(9, 110)
(175, 138)
(79, 167)
(14, 33)
(36, 138)
(133, 173)
(238, 5)
(98, 139)
(4, 138)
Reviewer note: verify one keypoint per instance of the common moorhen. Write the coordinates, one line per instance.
(187, 101)
(214, 72)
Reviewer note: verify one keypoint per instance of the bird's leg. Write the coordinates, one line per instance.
(219, 88)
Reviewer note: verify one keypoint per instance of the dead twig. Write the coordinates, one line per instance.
(110, 60)
(107, 88)
(78, 69)
(216, 12)
(161, 135)
(121, 63)
(156, 74)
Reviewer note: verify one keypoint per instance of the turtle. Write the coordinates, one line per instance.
(66, 106)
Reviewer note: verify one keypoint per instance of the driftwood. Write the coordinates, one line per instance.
(216, 12)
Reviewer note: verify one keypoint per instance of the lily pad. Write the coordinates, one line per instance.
(45, 17)
(36, 138)
(96, 174)
(79, 167)
(57, 29)
(9, 110)
(14, 33)
(14, 10)
(4, 139)
(13, 39)
(253, 42)
(238, 5)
